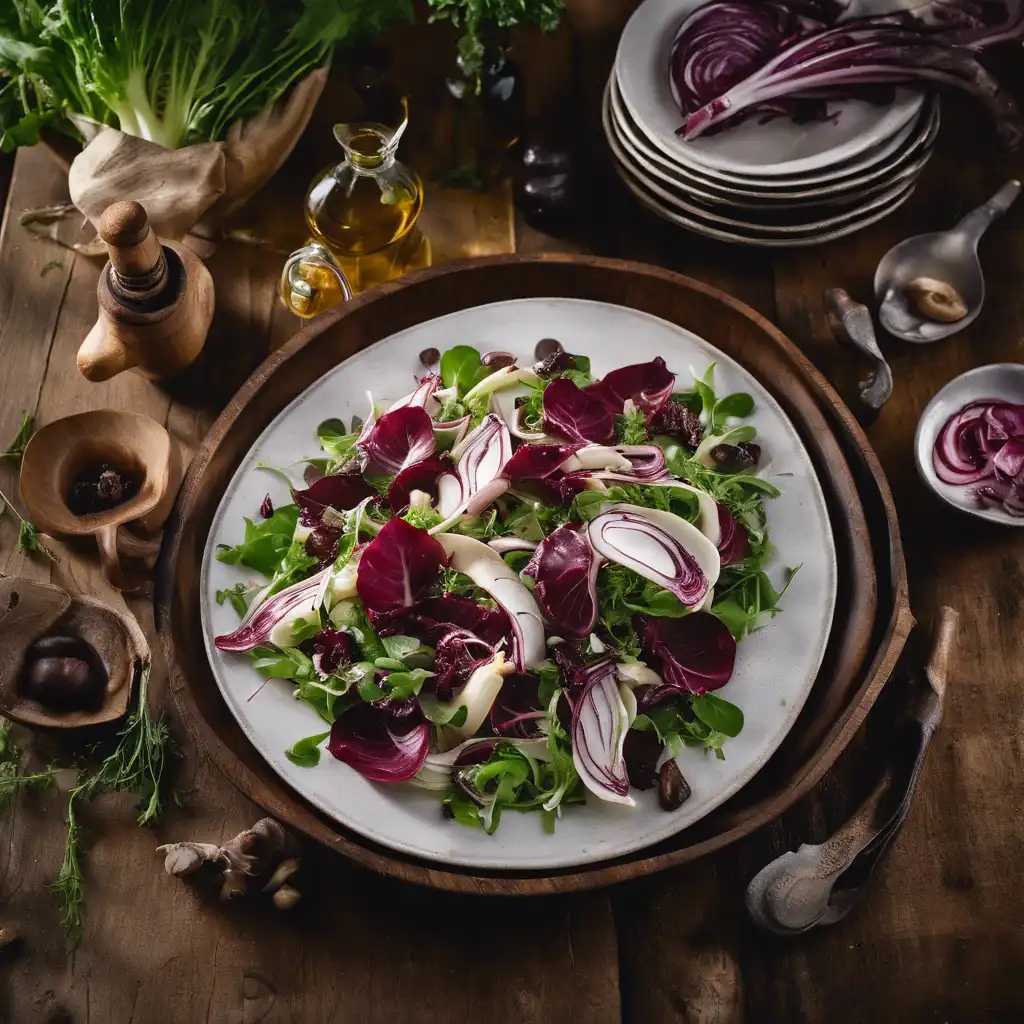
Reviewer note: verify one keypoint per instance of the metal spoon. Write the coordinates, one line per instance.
(947, 256)
(851, 326)
(821, 884)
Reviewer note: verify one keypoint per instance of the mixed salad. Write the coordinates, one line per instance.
(516, 586)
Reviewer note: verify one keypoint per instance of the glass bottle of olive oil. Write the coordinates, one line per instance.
(362, 215)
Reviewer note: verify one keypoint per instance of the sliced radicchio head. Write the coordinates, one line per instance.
(478, 478)
(400, 438)
(733, 543)
(331, 649)
(695, 654)
(599, 726)
(383, 741)
(421, 476)
(342, 492)
(457, 654)
(397, 566)
(564, 569)
(517, 710)
(648, 385)
(261, 618)
(576, 415)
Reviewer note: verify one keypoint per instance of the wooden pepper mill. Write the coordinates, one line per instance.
(156, 301)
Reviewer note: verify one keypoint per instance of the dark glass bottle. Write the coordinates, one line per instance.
(489, 109)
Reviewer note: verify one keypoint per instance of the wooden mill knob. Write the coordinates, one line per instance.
(136, 254)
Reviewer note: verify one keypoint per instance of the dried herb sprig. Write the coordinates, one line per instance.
(17, 447)
(136, 764)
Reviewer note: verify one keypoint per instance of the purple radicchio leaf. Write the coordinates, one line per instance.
(733, 543)
(397, 566)
(379, 743)
(342, 492)
(400, 438)
(457, 654)
(648, 385)
(564, 568)
(694, 654)
(261, 618)
(267, 507)
(422, 476)
(578, 670)
(517, 711)
(331, 649)
(576, 415)
(536, 461)
(421, 395)
(322, 544)
(433, 617)
(599, 726)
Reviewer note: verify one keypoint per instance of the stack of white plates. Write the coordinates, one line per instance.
(776, 183)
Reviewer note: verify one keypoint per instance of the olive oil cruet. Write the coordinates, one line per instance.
(362, 215)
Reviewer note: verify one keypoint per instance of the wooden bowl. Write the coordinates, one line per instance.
(872, 616)
(30, 610)
(61, 450)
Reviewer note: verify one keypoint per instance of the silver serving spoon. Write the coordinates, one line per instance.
(950, 257)
(851, 326)
(820, 884)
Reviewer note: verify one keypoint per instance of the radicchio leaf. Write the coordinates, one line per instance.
(397, 566)
(578, 670)
(564, 568)
(433, 617)
(261, 618)
(599, 727)
(457, 654)
(421, 396)
(517, 710)
(331, 649)
(536, 461)
(380, 744)
(647, 384)
(400, 438)
(577, 415)
(733, 543)
(342, 492)
(422, 476)
(696, 654)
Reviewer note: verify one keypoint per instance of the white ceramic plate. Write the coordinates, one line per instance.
(780, 147)
(794, 226)
(775, 668)
(998, 380)
(909, 150)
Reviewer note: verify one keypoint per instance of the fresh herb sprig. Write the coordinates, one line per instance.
(16, 448)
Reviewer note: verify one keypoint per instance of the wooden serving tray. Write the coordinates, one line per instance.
(872, 616)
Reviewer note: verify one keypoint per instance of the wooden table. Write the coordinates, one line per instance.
(941, 935)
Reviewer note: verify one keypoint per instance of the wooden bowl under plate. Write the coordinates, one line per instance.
(872, 617)
(60, 451)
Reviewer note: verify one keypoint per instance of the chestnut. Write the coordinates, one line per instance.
(64, 673)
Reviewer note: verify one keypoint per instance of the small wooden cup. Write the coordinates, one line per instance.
(59, 452)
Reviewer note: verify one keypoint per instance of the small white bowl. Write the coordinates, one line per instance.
(1003, 381)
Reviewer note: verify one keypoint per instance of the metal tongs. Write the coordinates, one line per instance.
(820, 884)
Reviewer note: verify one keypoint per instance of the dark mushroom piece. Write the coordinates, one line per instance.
(732, 458)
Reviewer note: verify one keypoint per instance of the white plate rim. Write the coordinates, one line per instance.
(650, 31)
(674, 824)
(913, 147)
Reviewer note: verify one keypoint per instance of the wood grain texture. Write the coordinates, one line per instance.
(940, 936)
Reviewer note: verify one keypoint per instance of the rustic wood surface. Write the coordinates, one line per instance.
(940, 937)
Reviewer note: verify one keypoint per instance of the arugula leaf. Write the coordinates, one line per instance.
(550, 680)
(631, 428)
(237, 596)
(678, 725)
(443, 712)
(265, 544)
(705, 390)
(306, 752)
(736, 406)
(718, 714)
(282, 663)
(305, 629)
(745, 599)
(399, 647)
(403, 685)
(461, 369)
(337, 442)
(295, 566)
(16, 448)
(351, 616)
